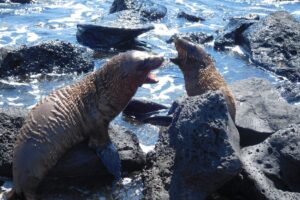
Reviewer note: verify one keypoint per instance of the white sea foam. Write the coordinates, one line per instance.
(147, 148)
(75, 17)
(32, 37)
(162, 29)
(15, 104)
(238, 50)
(6, 186)
(12, 99)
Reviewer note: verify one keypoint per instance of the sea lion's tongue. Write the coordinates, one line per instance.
(151, 78)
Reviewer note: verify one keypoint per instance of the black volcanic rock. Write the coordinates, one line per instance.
(48, 57)
(290, 91)
(195, 37)
(231, 35)
(273, 167)
(146, 8)
(115, 30)
(197, 154)
(190, 17)
(261, 111)
(274, 43)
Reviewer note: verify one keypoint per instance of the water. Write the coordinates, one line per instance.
(57, 19)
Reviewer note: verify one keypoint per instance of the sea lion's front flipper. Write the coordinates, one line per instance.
(110, 157)
(106, 151)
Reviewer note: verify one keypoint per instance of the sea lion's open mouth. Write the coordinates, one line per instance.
(151, 78)
(153, 62)
(181, 46)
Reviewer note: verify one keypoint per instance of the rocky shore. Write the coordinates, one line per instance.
(201, 152)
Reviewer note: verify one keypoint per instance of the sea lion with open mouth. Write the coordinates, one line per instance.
(73, 113)
(200, 73)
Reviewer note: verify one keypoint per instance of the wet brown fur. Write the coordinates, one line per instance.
(200, 73)
(68, 116)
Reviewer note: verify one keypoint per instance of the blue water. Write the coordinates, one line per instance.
(56, 19)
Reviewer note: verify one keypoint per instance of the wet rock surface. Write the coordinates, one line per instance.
(271, 42)
(146, 8)
(48, 57)
(197, 154)
(80, 161)
(115, 30)
(190, 17)
(274, 44)
(196, 37)
(261, 110)
(290, 91)
(231, 34)
(11, 121)
(147, 112)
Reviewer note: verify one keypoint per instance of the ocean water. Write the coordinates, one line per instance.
(57, 19)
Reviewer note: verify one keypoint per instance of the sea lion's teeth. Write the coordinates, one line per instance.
(151, 78)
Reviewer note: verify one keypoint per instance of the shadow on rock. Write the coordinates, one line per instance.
(261, 111)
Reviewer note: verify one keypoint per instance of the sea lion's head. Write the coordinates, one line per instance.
(190, 56)
(124, 73)
(136, 67)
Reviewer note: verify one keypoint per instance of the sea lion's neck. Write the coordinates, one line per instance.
(197, 80)
(112, 89)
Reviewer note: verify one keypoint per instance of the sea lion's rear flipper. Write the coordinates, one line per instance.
(110, 157)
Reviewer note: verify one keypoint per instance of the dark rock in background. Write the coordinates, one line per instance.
(115, 30)
(146, 8)
(139, 108)
(16, 1)
(147, 112)
(231, 35)
(290, 91)
(190, 17)
(197, 155)
(48, 57)
(80, 161)
(261, 111)
(274, 43)
(196, 37)
(11, 121)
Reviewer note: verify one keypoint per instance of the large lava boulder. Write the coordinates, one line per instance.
(195, 37)
(261, 110)
(113, 31)
(80, 161)
(272, 168)
(146, 8)
(197, 154)
(272, 42)
(231, 34)
(48, 57)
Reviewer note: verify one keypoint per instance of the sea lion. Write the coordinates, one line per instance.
(73, 113)
(200, 73)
